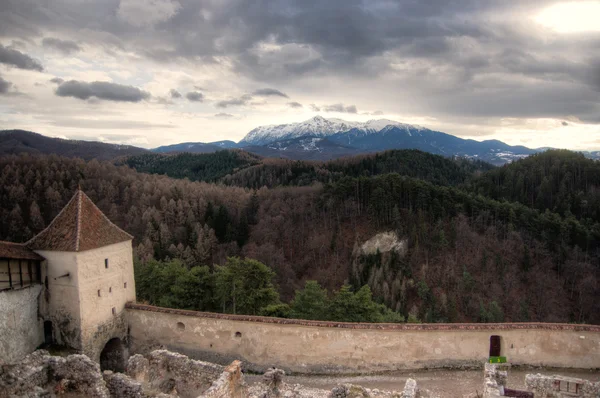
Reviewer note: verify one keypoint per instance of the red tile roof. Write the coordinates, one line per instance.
(18, 251)
(79, 226)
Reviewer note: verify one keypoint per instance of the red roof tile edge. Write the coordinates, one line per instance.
(16, 251)
(371, 326)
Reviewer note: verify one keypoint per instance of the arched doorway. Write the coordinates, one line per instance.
(113, 356)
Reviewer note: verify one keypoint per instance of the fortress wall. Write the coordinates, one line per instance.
(328, 347)
(21, 330)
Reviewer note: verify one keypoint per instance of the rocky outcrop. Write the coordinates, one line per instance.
(384, 242)
(42, 375)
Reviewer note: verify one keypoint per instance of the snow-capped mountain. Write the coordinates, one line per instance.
(372, 136)
(318, 126)
(320, 139)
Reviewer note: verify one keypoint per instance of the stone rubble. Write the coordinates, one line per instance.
(494, 380)
(121, 385)
(43, 375)
(544, 386)
(165, 374)
(273, 386)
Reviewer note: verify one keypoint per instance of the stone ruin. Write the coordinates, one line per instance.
(165, 374)
(273, 386)
(538, 385)
(560, 386)
(494, 380)
(161, 374)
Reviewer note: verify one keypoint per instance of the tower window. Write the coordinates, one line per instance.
(99, 295)
(114, 311)
(125, 285)
(110, 289)
(105, 263)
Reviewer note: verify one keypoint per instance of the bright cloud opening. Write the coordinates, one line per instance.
(571, 17)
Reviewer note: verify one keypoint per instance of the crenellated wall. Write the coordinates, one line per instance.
(329, 347)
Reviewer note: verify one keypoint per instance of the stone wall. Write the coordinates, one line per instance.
(85, 300)
(102, 290)
(229, 385)
(42, 375)
(327, 347)
(60, 302)
(21, 328)
(494, 380)
(172, 373)
(561, 387)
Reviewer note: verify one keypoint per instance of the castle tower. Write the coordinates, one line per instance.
(88, 277)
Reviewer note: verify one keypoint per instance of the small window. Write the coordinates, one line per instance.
(125, 285)
(110, 289)
(114, 311)
(180, 326)
(105, 263)
(99, 295)
(238, 334)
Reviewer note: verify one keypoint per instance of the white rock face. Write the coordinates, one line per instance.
(317, 126)
(385, 242)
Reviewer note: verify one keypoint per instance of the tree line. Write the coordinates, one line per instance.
(245, 286)
(469, 257)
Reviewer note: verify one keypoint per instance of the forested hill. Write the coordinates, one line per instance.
(20, 141)
(240, 168)
(209, 167)
(469, 257)
(562, 181)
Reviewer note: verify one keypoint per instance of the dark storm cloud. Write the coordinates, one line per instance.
(57, 80)
(243, 100)
(174, 93)
(269, 92)
(565, 123)
(16, 58)
(341, 108)
(425, 49)
(294, 104)
(67, 47)
(194, 96)
(4, 86)
(101, 90)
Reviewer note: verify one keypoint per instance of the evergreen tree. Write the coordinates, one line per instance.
(310, 302)
(244, 286)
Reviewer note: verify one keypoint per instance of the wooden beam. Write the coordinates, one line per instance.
(29, 272)
(20, 272)
(9, 274)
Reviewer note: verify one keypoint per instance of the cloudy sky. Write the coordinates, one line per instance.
(153, 72)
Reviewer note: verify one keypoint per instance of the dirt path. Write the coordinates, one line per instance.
(444, 383)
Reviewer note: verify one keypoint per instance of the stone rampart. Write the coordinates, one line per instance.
(335, 347)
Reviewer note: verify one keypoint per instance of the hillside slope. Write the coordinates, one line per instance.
(468, 258)
(21, 141)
